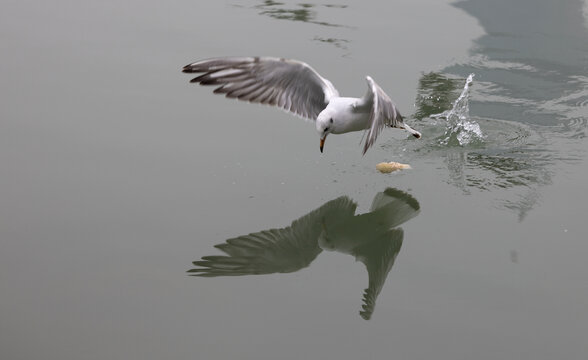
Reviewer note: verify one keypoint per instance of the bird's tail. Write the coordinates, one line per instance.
(414, 133)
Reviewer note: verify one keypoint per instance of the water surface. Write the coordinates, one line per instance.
(117, 174)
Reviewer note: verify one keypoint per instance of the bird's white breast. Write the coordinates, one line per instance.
(346, 116)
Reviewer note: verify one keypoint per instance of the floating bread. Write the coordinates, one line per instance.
(388, 167)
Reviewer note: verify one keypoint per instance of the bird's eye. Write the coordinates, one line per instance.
(326, 129)
(331, 120)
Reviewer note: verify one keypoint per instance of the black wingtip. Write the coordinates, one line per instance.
(366, 147)
(187, 69)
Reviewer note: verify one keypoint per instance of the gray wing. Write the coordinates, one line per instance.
(289, 84)
(265, 252)
(393, 207)
(277, 250)
(383, 113)
(378, 257)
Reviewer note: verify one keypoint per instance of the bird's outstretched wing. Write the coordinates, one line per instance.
(378, 257)
(277, 250)
(265, 252)
(383, 113)
(289, 84)
(395, 207)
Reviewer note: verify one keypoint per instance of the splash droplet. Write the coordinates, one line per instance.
(461, 128)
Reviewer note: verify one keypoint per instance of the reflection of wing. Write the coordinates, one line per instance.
(395, 206)
(383, 113)
(276, 250)
(269, 251)
(289, 84)
(378, 257)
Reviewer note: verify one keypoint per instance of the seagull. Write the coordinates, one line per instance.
(297, 88)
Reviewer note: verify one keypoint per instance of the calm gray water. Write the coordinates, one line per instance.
(117, 174)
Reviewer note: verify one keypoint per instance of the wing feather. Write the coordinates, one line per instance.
(281, 250)
(383, 113)
(289, 84)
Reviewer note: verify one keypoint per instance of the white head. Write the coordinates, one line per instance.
(324, 125)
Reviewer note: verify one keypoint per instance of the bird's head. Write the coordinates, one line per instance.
(324, 126)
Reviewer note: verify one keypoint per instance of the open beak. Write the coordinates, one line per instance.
(322, 143)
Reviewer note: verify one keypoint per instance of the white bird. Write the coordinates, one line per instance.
(297, 88)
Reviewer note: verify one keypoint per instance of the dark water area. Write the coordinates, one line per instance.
(143, 217)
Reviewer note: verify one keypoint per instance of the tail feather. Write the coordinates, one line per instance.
(414, 133)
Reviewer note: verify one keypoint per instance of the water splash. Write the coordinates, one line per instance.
(461, 128)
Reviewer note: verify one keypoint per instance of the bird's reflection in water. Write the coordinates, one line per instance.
(372, 238)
